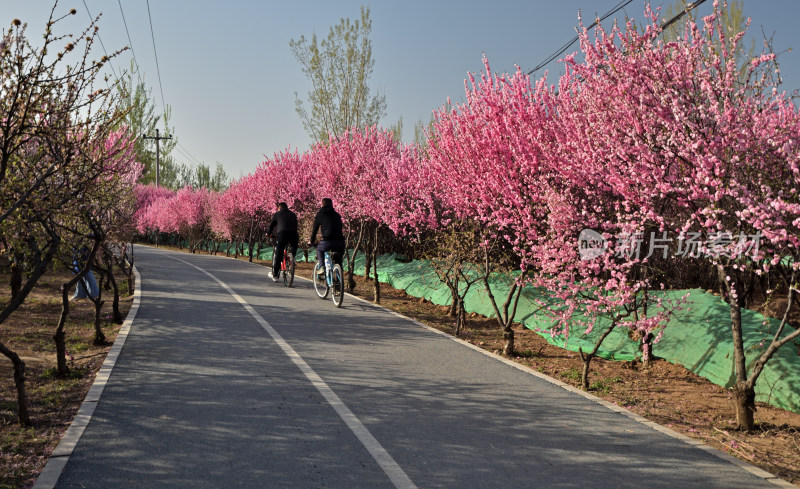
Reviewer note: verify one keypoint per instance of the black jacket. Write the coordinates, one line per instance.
(282, 221)
(329, 223)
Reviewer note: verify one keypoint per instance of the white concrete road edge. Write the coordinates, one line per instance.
(58, 460)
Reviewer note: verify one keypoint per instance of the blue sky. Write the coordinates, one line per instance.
(228, 74)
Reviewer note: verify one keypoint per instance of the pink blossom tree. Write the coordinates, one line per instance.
(191, 212)
(685, 146)
(146, 196)
(490, 167)
(350, 170)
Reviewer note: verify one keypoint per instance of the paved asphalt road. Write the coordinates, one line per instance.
(229, 380)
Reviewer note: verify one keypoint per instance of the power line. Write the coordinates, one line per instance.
(158, 71)
(689, 7)
(189, 155)
(101, 44)
(130, 43)
(572, 41)
(681, 14)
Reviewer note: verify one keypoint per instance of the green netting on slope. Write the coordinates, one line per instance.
(419, 279)
(264, 253)
(698, 337)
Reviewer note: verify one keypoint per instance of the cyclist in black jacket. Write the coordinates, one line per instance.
(328, 223)
(284, 227)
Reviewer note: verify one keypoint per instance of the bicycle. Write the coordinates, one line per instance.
(333, 282)
(287, 268)
(287, 264)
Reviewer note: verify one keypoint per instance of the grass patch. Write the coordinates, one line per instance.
(74, 374)
(15, 446)
(77, 345)
(528, 354)
(572, 374)
(53, 394)
(604, 385)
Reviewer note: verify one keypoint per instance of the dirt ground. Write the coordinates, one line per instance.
(52, 401)
(664, 393)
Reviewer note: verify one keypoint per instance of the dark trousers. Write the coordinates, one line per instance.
(285, 238)
(334, 246)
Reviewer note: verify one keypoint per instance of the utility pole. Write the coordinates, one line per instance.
(157, 137)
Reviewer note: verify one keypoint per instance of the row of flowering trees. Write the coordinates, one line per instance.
(649, 165)
(67, 173)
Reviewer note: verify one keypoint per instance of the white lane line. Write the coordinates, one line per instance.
(381, 456)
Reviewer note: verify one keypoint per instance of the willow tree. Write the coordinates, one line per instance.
(732, 21)
(339, 68)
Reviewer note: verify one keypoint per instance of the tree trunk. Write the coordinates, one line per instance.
(504, 317)
(459, 315)
(59, 337)
(351, 260)
(745, 399)
(461, 310)
(647, 349)
(116, 313)
(131, 280)
(351, 263)
(99, 336)
(744, 394)
(16, 276)
(367, 262)
(739, 359)
(22, 399)
(19, 380)
(587, 357)
(508, 337)
(127, 267)
(376, 284)
(454, 297)
(587, 360)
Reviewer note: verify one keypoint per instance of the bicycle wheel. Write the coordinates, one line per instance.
(320, 286)
(338, 285)
(288, 272)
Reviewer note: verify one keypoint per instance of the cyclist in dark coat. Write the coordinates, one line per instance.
(284, 227)
(328, 223)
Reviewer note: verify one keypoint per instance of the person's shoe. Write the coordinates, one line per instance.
(273, 276)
